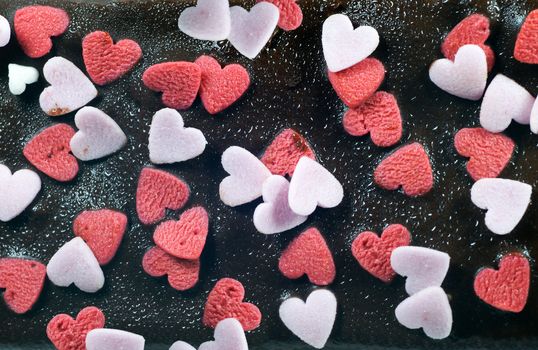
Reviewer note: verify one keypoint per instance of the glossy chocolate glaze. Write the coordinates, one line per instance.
(289, 89)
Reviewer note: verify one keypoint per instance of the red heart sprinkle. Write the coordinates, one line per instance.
(102, 230)
(69, 334)
(357, 83)
(284, 152)
(221, 87)
(409, 167)
(373, 252)
(226, 301)
(178, 81)
(106, 62)
(182, 274)
(308, 254)
(526, 49)
(49, 151)
(34, 25)
(379, 116)
(489, 153)
(507, 288)
(291, 15)
(157, 191)
(23, 281)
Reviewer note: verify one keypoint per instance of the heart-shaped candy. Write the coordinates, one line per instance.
(182, 274)
(251, 30)
(20, 76)
(344, 46)
(113, 339)
(181, 345)
(208, 20)
(534, 117)
(311, 186)
(74, 263)
(98, 135)
(506, 201)
(428, 309)
(5, 31)
(69, 334)
(170, 141)
(291, 15)
(229, 335)
(526, 49)
(70, 89)
(17, 191)
(23, 281)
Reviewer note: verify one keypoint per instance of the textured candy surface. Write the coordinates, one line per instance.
(67, 333)
(182, 274)
(283, 154)
(17, 191)
(291, 15)
(23, 281)
(526, 49)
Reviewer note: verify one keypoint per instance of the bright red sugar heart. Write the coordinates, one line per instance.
(69, 334)
(291, 15)
(23, 281)
(507, 288)
(526, 49)
(182, 274)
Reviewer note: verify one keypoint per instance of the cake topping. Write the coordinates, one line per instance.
(20, 76)
(69, 334)
(23, 281)
(526, 49)
(17, 191)
(5, 31)
(229, 335)
(291, 15)
(534, 117)
(208, 20)
(113, 339)
(181, 345)
(182, 274)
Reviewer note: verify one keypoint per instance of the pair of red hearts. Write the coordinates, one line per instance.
(67, 333)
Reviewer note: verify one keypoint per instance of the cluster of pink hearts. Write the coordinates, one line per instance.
(286, 203)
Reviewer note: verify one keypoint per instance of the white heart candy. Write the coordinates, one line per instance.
(252, 30)
(506, 202)
(170, 141)
(208, 20)
(428, 309)
(423, 267)
(98, 135)
(312, 185)
(17, 191)
(344, 46)
(113, 339)
(75, 263)
(20, 76)
(70, 89)
(181, 345)
(229, 335)
(466, 77)
(275, 214)
(312, 321)
(534, 117)
(247, 175)
(503, 101)
(5, 31)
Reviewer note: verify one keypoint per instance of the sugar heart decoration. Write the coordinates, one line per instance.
(506, 201)
(49, 151)
(208, 20)
(251, 30)
(157, 191)
(291, 15)
(428, 309)
(5, 31)
(357, 84)
(182, 274)
(69, 334)
(503, 101)
(178, 81)
(534, 117)
(506, 289)
(102, 230)
(105, 61)
(20, 76)
(373, 252)
(170, 141)
(229, 335)
(17, 191)
(247, 175)
(221, 87)
(311, 186)
(526, 49)
(489, 153)
(98, 135)
(74, 263)
(113, 339)
(181, 345)
(274, 215)
(466, 77)
(312, 321)
(379, 116)
(35, 25)
(23, 281)
(70, 89)
(226, 301)
(308, 254)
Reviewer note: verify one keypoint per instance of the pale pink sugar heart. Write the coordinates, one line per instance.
(423, 267)
(17, 191)
(534, 117)
(428, 309)
(344, 46)
(229, 335)
(504, 101)
(181, 345)
(20, 76)
(113, 339)
(70, 89)
(274, 215)
(5, 31)
(74, 263)
(506, 201)
(311, 186)
(312, 321)
(170, 141)
(98, 135)
(247, 175)
(466, 77)
(251, 30)
(208, 20)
